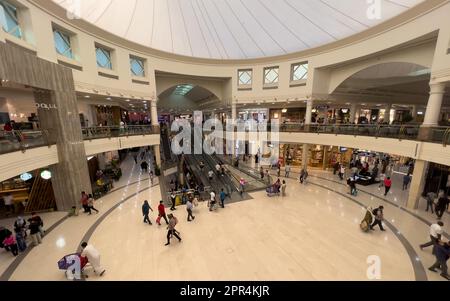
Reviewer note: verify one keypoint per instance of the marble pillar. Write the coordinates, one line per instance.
(433, 110)
(62, 126)
(325, 158)
(417, 184)
(305, 156)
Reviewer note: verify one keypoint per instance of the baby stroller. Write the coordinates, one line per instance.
(68, 263)
(272, 191)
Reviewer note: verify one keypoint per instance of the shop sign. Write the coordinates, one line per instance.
(46, 106)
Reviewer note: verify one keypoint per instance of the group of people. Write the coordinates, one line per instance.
(17, 242)
(87, 202)
(437, 204)
(170, 219)
(441, 249)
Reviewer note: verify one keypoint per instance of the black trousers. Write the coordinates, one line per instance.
(386, 190)
(14, 249)
(432, 242)
(147, 219)
(430, 204)
(170, 233)
(173, 205)
(92, 208)
(222, 202)
(190, 216)
(377, 222)
(165, 218)
(440, 265)
(440, 211)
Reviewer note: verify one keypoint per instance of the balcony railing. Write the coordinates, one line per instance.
(21, 140)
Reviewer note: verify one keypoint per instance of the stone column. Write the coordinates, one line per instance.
(305, 156)
(414, 112)
(325, 157)
(353, 113)
(308, 114)
(157, 152)
(417, 184)
(387, 114)
(154, 112)
(70, 176)
(433, 110)
(233, 112)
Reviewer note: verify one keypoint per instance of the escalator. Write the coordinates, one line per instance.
(166, 145)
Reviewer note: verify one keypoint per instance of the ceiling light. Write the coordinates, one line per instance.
(284, 111)
(87, 96)
(108, 98)
(127, 100)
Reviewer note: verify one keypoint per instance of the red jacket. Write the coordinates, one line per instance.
(161, 210)
(387, 182)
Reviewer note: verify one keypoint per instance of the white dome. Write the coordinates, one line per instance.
(235, 29)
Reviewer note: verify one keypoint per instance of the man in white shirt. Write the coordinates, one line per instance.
(210, 175)
(212, 201)
(435, 235)
(93, 257)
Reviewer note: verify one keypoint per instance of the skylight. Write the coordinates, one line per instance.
(183, 90)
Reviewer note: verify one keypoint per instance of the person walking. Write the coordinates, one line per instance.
(279, 171)
(93, 257)
(283, 188)
(287, 171)
(378, 214)
(261, 172)
(151, 177)
(161, 213)
(91, 204)
(435, 235)
(173, 221)
(406, 181)
(222, 197)
(145, 211)
(20, 225)
(84, 201)
(431, 196)
(144, 166)
(441, 206)
(38, 220)
(20, 239)
(210, 175)
(189, 207)
(442, 253)
(241, 187)
(387, 185)
(342, 172)
(173, 199)
(212, 201)
(34, 231)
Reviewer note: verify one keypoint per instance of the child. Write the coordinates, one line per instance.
(10, 242)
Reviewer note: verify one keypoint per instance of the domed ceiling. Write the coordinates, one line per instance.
(235, 29)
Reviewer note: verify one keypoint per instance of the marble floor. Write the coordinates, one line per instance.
(310, 234)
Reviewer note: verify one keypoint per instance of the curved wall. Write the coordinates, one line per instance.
(427, 19)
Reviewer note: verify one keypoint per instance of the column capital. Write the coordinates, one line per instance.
(437, 88)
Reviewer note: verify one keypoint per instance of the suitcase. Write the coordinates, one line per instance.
(364, 226)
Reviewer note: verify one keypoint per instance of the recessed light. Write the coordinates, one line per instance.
(127, 100)
(108, 98)
(87, 96)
